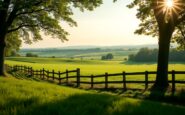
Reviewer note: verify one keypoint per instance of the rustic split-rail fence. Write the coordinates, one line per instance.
(74, 77)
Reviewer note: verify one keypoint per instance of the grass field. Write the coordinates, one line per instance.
(29, 97)
(89, 66)
(95, 67)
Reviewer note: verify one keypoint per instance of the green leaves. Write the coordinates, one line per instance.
(31, 17)
(12, 44)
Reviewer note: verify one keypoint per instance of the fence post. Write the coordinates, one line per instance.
(43, 73)
(15, 67)
(106, 80)
(28, 70)
(40, 73)
(92, 81)
(146, 79)
(67, 74)
(12, 68)
(173, 81)
(53, 72)
(36, 73)
(31, 72)
(124, 81)
(24, 69)
(78, 77)
(47, 74)
(59, 77)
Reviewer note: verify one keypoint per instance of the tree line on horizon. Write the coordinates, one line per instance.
(150, 55)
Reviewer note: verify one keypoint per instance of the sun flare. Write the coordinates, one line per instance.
(169, 3)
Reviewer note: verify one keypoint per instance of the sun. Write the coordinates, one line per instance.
(169, 3)
(170, 8)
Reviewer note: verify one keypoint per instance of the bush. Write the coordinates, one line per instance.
(31, 55)
(109, 56)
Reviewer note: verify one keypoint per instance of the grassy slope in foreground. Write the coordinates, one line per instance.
(32, 98)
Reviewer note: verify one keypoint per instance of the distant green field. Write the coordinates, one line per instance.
(95, 67)
(119, 54)
(28, 97)
(89, 66)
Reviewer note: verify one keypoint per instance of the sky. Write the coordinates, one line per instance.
(108, 25)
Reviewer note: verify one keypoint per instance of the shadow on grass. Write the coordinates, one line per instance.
(133, 93)
(157, 94)
(162, 96)
(22, 75)
(166, 95)
(88, 104)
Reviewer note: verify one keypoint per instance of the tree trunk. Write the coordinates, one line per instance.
(5, 22)
(2, 52)
(165, 34)
(166, 23)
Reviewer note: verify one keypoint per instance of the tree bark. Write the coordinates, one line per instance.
(165, 34)
(3, 32)
(2, 53)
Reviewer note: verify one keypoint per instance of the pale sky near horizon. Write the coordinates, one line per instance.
(108, 25)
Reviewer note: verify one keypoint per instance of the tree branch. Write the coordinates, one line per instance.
(21, 26)
(29, 12)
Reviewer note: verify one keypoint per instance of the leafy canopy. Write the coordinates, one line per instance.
(29, 18)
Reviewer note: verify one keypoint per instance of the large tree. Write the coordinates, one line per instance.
(30, 18)
(165, 19)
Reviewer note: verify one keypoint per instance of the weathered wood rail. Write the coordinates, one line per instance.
(74, 77)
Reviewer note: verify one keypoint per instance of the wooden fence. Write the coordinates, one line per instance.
(77, 78)
(61, 77)
(124, 81)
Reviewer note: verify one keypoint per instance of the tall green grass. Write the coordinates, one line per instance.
(29, 97)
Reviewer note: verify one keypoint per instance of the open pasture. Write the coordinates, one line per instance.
(96, 67)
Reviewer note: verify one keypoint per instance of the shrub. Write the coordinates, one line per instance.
(31, 55)
(109, 56)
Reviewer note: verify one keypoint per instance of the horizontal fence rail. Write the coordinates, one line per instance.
(47, 74)
(73, 77)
